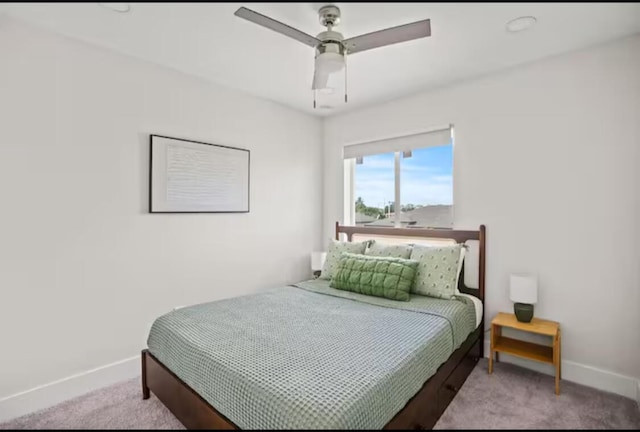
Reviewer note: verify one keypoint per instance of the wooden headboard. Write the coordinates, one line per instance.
(459, 236)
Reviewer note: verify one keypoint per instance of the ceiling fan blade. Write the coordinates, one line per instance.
(277, 26)
(402, 33)
(320, 80)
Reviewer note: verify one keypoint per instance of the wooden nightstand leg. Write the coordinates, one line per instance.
(498, 334)
(491, 349)
(559, 355)
(556, 360)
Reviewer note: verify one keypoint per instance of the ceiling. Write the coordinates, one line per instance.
(207, 40)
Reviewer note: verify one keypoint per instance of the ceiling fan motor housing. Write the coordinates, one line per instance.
(331, 42)
(331, 50)
(329, 15)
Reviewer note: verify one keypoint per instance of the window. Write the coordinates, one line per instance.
(374, 188)
(416, 178)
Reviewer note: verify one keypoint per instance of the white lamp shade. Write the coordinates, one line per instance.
(317, 260)
(523, 289)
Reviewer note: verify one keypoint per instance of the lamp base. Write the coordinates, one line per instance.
(523, 312)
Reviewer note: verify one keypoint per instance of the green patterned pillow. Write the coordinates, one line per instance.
(387, 250)
(437, 270)
(333, 255)
(387, 277)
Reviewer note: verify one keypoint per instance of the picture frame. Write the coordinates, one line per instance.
(187, 176)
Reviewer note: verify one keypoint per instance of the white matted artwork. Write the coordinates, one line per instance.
(195, 177)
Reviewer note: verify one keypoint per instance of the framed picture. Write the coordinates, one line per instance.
(195, 177)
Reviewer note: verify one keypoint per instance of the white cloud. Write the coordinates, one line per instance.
(430, 191)
(376, 164)
(388, 165)
(375, 192)
(425, 190)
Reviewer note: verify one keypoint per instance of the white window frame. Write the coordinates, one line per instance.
(349, 205)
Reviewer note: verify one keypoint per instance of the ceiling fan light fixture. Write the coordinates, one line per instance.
(329, 62)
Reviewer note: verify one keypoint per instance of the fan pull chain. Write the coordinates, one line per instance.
(314, 98)
(345, 77)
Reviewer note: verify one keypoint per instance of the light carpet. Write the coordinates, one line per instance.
(510, 398)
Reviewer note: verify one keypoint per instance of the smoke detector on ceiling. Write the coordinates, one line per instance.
(117, 7)
(521, 23)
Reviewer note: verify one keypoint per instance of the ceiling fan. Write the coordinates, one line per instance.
(331, 47)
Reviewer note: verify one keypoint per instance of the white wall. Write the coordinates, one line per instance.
(84, 269)
(547, 156)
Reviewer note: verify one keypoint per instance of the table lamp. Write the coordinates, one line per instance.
(523, 291)
(317, 262)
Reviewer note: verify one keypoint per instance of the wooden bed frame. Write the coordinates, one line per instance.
(421, 412)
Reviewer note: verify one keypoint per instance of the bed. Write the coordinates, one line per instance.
(308, 356)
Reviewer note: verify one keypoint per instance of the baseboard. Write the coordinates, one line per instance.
(64, 389)
(581, 374)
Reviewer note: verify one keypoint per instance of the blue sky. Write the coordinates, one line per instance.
(425, 178)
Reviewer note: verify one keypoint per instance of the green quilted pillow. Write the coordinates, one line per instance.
(336, 248)
(396, 251)
(437, 271)
(387, 277)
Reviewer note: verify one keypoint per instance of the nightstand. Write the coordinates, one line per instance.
(527, 350)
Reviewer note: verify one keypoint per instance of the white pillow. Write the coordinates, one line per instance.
(460, 264)
(336, 248)
(377, 248)
(471, 269)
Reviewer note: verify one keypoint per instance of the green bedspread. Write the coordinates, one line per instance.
(310, 356)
